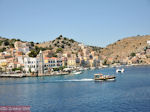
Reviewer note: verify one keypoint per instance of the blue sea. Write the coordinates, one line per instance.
(130, 92)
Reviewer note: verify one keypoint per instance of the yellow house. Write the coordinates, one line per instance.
(91, 63)
(46, 59)
(129, 62)
(3, 62)
(85, 58)
(71, 62)
(3, 65)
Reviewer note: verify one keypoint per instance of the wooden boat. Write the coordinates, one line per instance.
(103, 77)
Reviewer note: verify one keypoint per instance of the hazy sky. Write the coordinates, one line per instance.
(93, 22)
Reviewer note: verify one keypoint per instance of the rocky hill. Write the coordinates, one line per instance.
(66, 44)
(6, 43)
(125, 47)
(59, 45)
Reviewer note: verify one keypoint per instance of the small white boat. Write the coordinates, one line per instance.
(86, 68)
(76, 72)
(120, 70)
(81, 69)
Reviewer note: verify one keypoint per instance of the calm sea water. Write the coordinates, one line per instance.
(130, 92)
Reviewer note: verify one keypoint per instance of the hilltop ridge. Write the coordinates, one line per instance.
(60, 44)
(125, 47)
(67, 45)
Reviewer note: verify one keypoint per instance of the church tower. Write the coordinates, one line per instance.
(40, 64)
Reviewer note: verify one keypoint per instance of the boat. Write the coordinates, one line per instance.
(86, 68)
(103, 77)
(120, 70)
(81, 69)
(79, 72)
(92, 68)
(76, 72)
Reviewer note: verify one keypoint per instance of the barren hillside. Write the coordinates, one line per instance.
(126, 46)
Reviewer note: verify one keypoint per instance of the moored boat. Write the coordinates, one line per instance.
(78, 72)
(120, 70)
(103, 77)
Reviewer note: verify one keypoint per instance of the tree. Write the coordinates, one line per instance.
(33, 53)
(54, 55)
(132, 54)
(60, 36)
(0, 69)
(62, 46)
(14, 69)
(32, 43)
(1, 42)
(6, 42)
(56, 69)
(59, 50)
(57, 42)
(42, 48)
(69, 44)
(105, 62)
(3, 49)
(65, 38)
(71, 40)
(62, 42)
(11, 45)
(50, 47)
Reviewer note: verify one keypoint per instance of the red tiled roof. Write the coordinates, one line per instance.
(46, 58)
(53, 58)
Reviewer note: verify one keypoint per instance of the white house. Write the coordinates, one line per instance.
(24, 49)
(30, 64)
(20, 59)
(148, 42)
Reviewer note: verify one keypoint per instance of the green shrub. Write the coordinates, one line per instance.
(59, 50)
(3, 49)
(133, 54)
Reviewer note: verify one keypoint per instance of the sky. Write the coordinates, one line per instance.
(92, 22)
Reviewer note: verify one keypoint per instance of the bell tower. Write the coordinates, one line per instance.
(40, 64)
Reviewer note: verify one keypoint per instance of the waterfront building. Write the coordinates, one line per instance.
(71, 62)
(23, 49)
(3, 64)
(20, 59)
(22, 46)
(52, 62)
(129, 62)
(78, 63)
(64, 61)
(148, 42)
(91, 63)
(30, 64)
